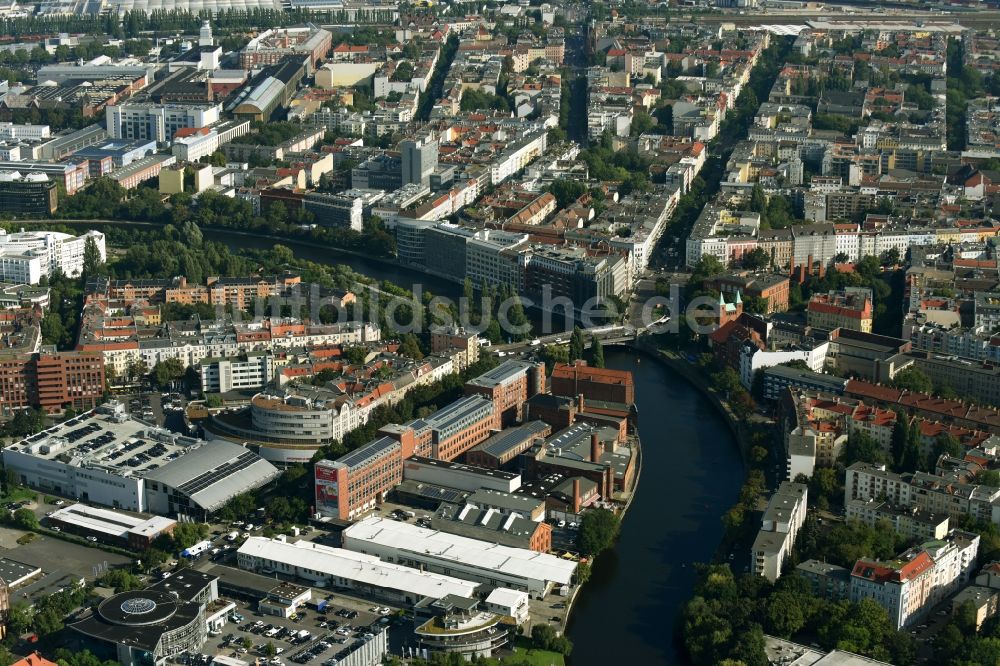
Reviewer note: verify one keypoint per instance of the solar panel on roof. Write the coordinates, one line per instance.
(206, 479)
(358, 456)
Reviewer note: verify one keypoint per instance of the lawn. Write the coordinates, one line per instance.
(523, 650)
(18, 494)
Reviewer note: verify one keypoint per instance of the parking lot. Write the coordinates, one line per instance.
(320, 636)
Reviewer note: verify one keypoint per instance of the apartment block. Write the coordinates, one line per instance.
(850, 309)
(910, 585)
(780, 525)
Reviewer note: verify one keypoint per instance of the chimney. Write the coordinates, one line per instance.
(791, 269)
(809, 265)
(579, 402)
(822, 270)
(595, 448)
(802, 273)
(576, 495)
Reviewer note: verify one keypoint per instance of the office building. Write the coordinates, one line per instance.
(488, 524)
(828, 581)
(357, 481)
(419, 159)
(456, 339)
(454, 625)
(26, 256)
(52, 381)
(250, 371)
(273, 46)
(508, 386)
(911, 522)
(346, 210)
(150, 627)
(779, 378)
(504, 447)
(459, 476)
(30, 194)
(157, 122)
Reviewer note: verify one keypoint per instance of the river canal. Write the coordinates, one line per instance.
(691, 474)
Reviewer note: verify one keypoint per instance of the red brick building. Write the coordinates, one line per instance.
(599, 384)
(509, 385)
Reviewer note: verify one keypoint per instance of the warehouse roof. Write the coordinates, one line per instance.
(111, 523)
(519, 562)
(214, 473)
(367, 569)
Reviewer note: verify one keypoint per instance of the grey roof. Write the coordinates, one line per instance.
(369, 451)
(501, 374)
(511, 438)
(483, 524)
(214, 473)
(486, 498)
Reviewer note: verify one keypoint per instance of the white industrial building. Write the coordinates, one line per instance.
(471, 559)
(109, 526)
(350, 570)
(157, 122)
(105, 457)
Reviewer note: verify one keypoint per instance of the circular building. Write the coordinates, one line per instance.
(146, 626)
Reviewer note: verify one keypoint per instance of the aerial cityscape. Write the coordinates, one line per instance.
(535, 333)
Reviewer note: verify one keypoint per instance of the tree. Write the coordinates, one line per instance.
(121, 580)
(757, 259)
(890, 257)
(597, 352)
(784, 615)
(642, 122)
(410, 346)
(25, 519)
(544, 637)
(165, 373)
(913, 379)
(576, 344)
(270, 650)
(899, 434)
(861, 448)
(552, 354)
(92, 260)
(598, 531)
(185, 535)
(758, 200)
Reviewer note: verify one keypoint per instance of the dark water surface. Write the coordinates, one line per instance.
(691, 474)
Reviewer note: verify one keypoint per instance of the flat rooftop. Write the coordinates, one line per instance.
(111, 523)
(443, 548)
(106, 438)
(460, 467)
(358, 567)
(502, 374)
(13, 572)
